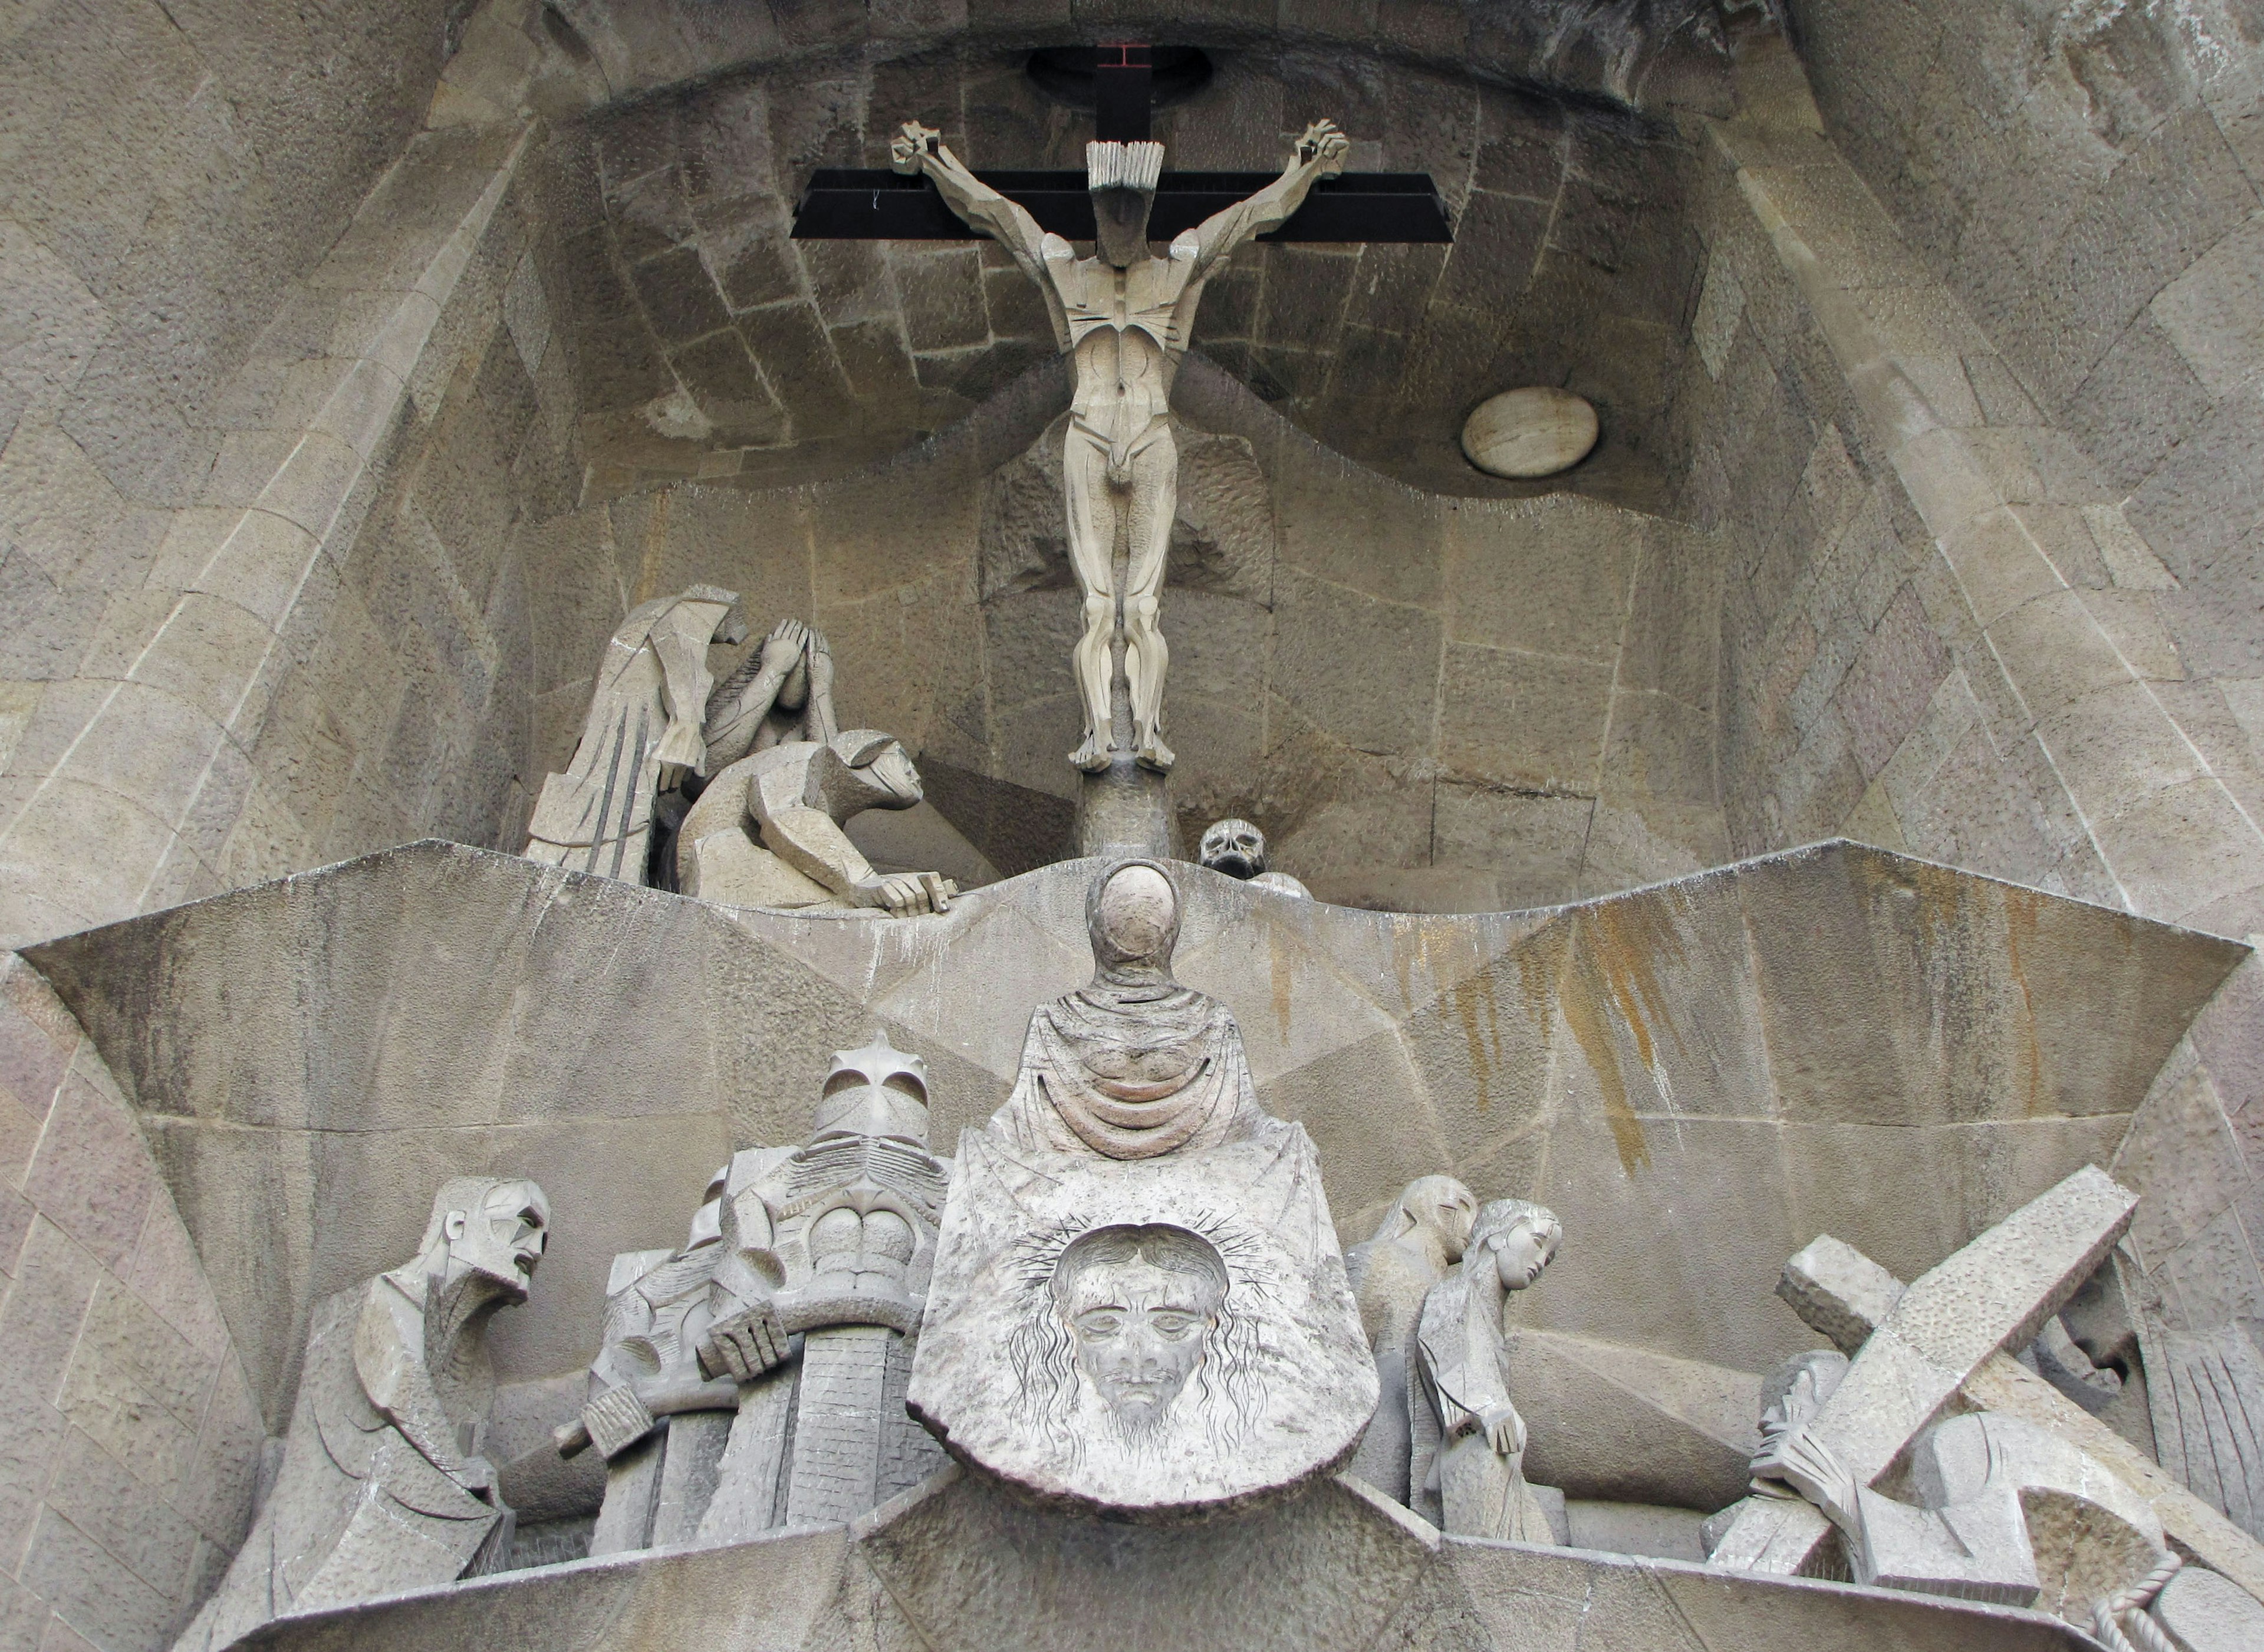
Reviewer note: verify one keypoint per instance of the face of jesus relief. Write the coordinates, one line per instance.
(1140, 1304)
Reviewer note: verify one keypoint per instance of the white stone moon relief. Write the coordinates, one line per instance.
(1138, 1307)
(1534, 432)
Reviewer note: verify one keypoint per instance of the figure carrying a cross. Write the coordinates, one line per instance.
(1125, 315)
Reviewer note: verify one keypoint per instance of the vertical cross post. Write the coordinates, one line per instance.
(1122, 83)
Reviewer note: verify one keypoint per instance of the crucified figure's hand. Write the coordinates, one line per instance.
(1323, 143)
(913, 142)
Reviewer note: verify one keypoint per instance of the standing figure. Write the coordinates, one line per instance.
(642, 734)
(1423, 1235)
(383, 1485)
(1469, 1467)
(1125, 315)
(755, 1378)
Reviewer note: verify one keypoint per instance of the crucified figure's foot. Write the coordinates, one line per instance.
(1154, 754)
(1091, 757)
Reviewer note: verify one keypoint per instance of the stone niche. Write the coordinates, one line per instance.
(706, 344)
(1429, 703)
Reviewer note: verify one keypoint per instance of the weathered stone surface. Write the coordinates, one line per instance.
(132, 1443)
(1532, 1054)
(934, 1569)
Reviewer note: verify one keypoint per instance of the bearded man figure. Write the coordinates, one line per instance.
(1125, 315)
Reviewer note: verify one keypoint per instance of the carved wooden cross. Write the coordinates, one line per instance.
(858, 204)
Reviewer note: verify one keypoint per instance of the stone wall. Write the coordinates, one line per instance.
(1947, 635)
(169, 176)
(2085, 179)
(316, 646)
(130, 1442)
(1433, 703)
(707, 344)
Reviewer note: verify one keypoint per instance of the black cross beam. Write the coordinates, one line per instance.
(875, 204)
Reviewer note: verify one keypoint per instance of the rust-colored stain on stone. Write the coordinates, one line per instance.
(1612, 972)
(1473, 1002)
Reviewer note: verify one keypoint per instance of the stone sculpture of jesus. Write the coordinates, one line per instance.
(1125, 315)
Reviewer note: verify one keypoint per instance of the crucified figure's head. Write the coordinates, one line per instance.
(1122, 178)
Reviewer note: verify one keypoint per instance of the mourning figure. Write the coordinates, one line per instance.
(382, 1486)
(644, 731)
(1419, 1238)
(767, 830)
(1468, 1462)
(783, 690)
(1138, 1305)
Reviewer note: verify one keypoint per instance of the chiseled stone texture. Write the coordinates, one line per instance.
(1942, 631)
(130, 1440)
(321, 644)
(1428, 703)
(1711, 1071)
(955, 1567)
(707, 344)
(2087, 180)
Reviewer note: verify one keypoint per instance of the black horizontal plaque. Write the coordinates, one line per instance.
(879, 205)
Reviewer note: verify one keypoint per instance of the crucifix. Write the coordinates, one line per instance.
(1124, 315)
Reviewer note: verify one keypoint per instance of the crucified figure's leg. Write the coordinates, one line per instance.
(1092, 553)
(1152, 504)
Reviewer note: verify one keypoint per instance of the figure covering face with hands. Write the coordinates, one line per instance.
(1469, 1467)
(1124, 315)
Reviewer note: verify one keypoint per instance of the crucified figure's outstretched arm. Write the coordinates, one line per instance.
(1319, 153)
(918, 150)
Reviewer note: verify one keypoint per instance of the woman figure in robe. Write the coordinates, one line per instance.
(1469, 1447)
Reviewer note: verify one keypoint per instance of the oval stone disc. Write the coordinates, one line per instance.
(1534, 432)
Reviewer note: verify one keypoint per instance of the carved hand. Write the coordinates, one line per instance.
(908, 150)
(784, 646)
(1505, 1429)
(682, 747)
(906, 894)
(616, 1420)
(1323, 143)
(744, 1346)
(1807, 1465)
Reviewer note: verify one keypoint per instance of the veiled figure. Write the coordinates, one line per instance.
(1420, 1237)
(1138, 1305)
(1469, 1467)
(1132, 1065)
(643, 732)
